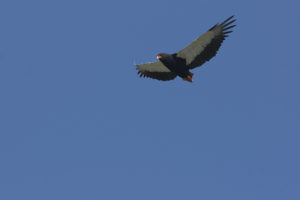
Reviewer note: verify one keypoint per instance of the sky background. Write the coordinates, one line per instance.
(76, 122)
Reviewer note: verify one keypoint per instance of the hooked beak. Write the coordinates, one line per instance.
(158, 57)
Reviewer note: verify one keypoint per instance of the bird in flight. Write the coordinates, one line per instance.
(194, 55)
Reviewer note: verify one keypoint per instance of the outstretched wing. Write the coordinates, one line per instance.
(155, 70)
(206, 46)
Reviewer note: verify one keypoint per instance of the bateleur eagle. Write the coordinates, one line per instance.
(194, 55)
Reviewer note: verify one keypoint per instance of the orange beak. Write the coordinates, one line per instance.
(158, 57)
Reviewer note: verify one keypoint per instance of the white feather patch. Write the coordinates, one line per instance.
(153, 67)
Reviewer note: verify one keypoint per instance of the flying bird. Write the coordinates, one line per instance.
(194, 55)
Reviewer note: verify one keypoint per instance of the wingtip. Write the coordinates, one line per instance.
(232, 16)
(229, 18)
(225, 25)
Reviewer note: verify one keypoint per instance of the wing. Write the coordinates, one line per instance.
(206, 46)
(155, 70)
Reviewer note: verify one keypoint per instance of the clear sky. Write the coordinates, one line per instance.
(76, 122)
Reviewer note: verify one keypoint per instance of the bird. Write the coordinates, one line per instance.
(201, 50)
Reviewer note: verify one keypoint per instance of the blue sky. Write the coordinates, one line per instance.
(76, 122)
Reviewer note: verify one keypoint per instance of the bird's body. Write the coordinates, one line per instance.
(175, 64)
(194, 55)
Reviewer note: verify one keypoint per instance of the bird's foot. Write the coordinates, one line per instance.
(188, 78)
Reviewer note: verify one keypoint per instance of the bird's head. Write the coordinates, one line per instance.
(161, 56)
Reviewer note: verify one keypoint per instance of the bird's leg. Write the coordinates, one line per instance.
(189, 77)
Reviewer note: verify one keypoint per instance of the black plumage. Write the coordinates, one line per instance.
(194, 55)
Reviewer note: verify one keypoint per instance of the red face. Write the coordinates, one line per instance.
(158, 57)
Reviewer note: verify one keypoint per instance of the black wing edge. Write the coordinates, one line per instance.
(225, 26)
(162, 76)
(213, 47)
